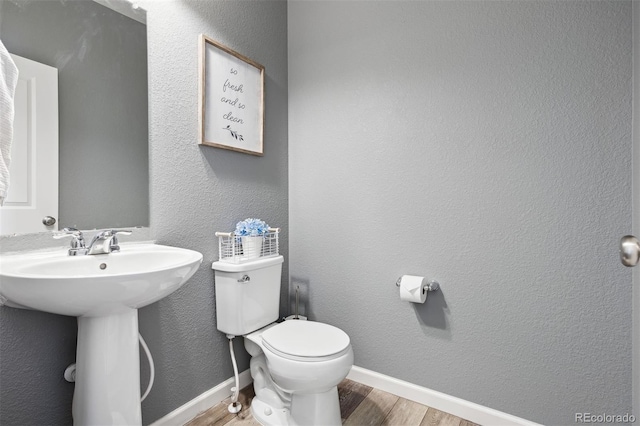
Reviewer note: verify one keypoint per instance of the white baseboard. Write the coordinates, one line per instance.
(438, 400)
(203, 402)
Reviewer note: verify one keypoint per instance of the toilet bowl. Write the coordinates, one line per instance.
(296, 365)
(305, 361)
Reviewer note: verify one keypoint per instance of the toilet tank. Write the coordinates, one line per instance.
(247, 294)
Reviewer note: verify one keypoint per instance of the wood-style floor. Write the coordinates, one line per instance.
(359, 405)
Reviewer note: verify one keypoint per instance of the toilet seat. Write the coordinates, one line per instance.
(306, 341)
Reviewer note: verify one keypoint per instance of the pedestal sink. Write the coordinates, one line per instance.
(104, 292)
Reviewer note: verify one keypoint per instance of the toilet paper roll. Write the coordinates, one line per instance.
(413, 288)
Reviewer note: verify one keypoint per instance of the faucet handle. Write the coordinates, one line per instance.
(112, 233)
(107, 233)
(74, 233)
(77, 240)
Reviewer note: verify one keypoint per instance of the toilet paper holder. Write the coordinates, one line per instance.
(433, 285)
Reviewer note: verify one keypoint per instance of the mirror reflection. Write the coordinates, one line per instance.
(101, 60)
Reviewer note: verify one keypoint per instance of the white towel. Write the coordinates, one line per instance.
(8, 83)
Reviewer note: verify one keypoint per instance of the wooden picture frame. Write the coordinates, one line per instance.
(231, 99)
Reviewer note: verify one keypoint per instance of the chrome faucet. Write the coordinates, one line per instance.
(104, 241)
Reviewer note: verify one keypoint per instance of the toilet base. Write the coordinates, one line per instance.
(310, 409)
(314, 409)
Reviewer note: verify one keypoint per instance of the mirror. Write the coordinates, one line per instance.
(101, 58)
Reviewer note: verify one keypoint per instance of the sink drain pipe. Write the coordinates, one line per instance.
(152, 369)
(70, 372)
(235, 406)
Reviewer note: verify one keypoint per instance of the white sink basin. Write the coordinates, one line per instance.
(104, 291)
(106, 284)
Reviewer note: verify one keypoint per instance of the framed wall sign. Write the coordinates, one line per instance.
(231, 99)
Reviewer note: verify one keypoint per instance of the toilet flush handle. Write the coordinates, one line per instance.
(244, 279)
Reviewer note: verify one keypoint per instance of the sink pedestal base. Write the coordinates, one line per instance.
(108, 371)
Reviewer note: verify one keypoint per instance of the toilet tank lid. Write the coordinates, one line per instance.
(306, 338)
(262, 262)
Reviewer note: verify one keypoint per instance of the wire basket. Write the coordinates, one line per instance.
(234, 248)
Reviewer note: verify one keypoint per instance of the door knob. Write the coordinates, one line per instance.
(629, 250)
(48, 220)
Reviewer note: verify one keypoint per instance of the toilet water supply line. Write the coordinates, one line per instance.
(235, 406)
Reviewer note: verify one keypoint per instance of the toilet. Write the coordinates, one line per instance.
(296, 365)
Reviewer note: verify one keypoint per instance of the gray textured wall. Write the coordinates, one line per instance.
(198, 190)
(195, 191)
(101, 57)
(484, 144)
